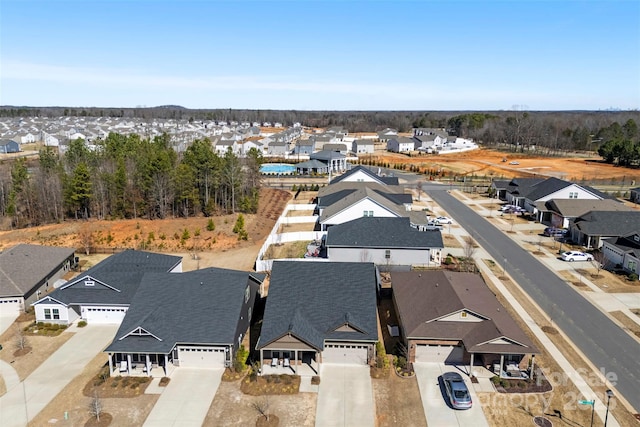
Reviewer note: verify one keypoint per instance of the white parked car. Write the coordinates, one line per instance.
(576, 256)
(444, 220)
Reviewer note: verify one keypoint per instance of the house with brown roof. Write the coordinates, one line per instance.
(454, 318)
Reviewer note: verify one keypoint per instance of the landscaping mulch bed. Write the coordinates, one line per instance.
(105, 420)
(270, 384)
(164, 381)
(273, 421)
(22, 352)
(231, 375)
(120, 387)
(379, 373)
(44, 329)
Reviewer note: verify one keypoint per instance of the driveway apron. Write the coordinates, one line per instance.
(25, 400)
(186, 399)
(345, 397)
(436, 410)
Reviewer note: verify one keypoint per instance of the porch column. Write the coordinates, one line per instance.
(110, 363)
(128, 363)
(533, 365)
(166, 363)
(501, 364)
(295, 357)
(261, 360)
(471, 364)
(146, 360)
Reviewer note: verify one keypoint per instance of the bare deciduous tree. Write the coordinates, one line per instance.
(262, 407)
(85, 236)
(95, 406)
(469, 249)
(600, 262)
(21, 340)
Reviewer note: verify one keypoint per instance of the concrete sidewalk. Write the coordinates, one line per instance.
(345, 397)
(186, 399)
(25, 400)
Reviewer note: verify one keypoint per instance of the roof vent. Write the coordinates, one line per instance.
(437, 285)
(419, 274)
(201, 283)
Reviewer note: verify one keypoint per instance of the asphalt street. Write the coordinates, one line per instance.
(604, 343)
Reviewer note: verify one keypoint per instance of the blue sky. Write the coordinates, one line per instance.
(334, 55)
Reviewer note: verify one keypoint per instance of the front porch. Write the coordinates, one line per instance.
(293, 362)
(140, 364)
(507, 366)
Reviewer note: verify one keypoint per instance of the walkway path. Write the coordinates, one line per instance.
(23, 401)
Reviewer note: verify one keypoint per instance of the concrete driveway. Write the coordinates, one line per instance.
(345, 397)
(26, 399)
(186, 399)
(436, 410)
(6, 319)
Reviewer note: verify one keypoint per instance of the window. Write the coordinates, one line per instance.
(387, 253)
(47, 313)
(247, 293)
(367, 213)
(249, 314)
(56, 314)
(632, 265)
(573, 195)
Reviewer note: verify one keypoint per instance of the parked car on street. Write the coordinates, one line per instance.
(444, 220)
(457, 391)
(554, 232)
(576, 256)
(514, 163)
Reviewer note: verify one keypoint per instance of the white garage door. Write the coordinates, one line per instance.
(104, 315)
(344, 353)
(201, 357)
(10, 305)
(439, 353)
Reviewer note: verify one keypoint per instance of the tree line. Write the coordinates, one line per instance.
(128, 177)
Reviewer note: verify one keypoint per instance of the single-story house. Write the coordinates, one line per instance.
(362, 174)
(560, 212)
(623, 252)
(554, 188)
(591, 228)
(312, 166)
(454, 318)
(510, 189)
(320, 312)
(336, 162)
(103, 293)
(193, 319)
(27, 272)
(385, 242)
(9, 146)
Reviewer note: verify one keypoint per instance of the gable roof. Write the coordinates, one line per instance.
(388, 201)
(326, 155)
(575, 207)
(544, 188)
(627, 244)
(608, 223)
(519, 186)
(24, 266)
(423, 298)
(335, 192)
(196, 307)
(312, 299)
(377, 232)
(122, 273)
(384, 180)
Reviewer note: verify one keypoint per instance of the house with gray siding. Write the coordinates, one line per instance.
(384, 241)
(622, 252)
(319, 312)
(9, 146)
(196, 319)
(28, 272)
(593, 227)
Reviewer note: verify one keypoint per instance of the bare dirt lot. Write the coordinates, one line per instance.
(489, 163)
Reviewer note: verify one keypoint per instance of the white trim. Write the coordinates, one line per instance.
(50, 299)
(84, 278)
(139, 328)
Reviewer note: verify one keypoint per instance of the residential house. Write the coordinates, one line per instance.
(195, 319)
(510, 189)
(592, 227)
(385, 241)
(305, 147)
(319, 312)
(363, 146)
(29, 271)
(336, 162)
(312, 167)
(103, 293)
(623, 252)
(454, 318)
(386, 134)
(340, 148)
(9, 146)
(635, 195)
(560, 212)
(344, 201)
(401, 144)
(278, 148)
(554, 188)
(362, 174)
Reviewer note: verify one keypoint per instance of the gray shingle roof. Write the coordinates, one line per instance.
(544, 188)
(386, 200)
(326, 155)
(423, 297)
(575, 207)
(309, 299)
(385, 180)
(376, 232)
(196, 307)
(607, 223)
(122, 271)
(23, 266)
(627, 244)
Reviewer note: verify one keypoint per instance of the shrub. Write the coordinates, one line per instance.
(633, 277)
(211, 226)
(315, 380)
(240, 360)
(151, 236)
(382, 361)
(495, 380)
(185, 234)
(196, 232)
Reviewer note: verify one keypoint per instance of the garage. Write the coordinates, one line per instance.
(104, 315)
(345, 353)
(201, 357)
(10, 305)
(439, 353)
